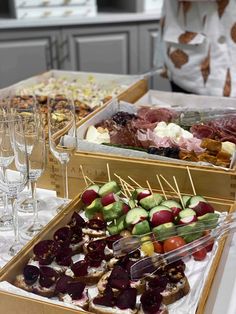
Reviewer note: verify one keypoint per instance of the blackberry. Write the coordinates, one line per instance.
(121, 118)
(172, 152)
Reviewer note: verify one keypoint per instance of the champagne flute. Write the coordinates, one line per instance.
(36, 150)
(62, 131)
(25, 106)
(14, 175)
(6, 219)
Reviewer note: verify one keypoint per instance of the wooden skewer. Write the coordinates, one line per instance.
(149, 186)
(163, 178)
(163, 191)
(91, 181)
(177, 187)
(123, 188)
(130, 186)
(135, 182)
(84, 177)
(127, 189)
(108, 172)
(191, 180)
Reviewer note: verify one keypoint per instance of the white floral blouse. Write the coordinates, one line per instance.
(198, 45)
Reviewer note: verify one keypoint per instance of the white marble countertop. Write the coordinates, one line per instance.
(101, 18)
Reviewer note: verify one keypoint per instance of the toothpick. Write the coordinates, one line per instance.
(134, 182)
(130, 186)
(177, 187)
(191, 180)
(108, 172)
(163, 191)
(127, 190)
(123, 188)
(89, 180)
(149, 186)
(84, 177)
(163, 178)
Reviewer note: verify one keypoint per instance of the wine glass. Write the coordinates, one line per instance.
(14, 175)
(6, 219)
(62, 131)
(25, 106)
(36, 150)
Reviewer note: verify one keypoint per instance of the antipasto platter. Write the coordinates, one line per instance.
(182, 135)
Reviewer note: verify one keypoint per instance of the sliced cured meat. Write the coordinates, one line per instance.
(158, 115)
(191, 144)
(152, 115)
(125, 136)
(202, 131)
(228, 138)
(142, 112)
(141, 124)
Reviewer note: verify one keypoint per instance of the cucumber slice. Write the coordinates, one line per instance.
(131, 203)
(121, 223)
(135, 215)
(192, 231)
(185, 199)
(164, 231)
(171, 203)
(140, 228)
(112, 211)
(151, 201)
(109, 187)
(93, 187)
(135, 193)
(112, 229)
(140, 193)
(194, 200)
(94, 207)
(188, 212)
(209, 220)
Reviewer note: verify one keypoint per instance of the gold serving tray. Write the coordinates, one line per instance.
(210, 182)
(11, 303)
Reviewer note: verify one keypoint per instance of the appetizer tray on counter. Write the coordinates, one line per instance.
(91, 91)
(200, 274)
(182, 134)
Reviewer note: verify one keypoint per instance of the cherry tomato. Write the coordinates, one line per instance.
(209, 246)
(173, 243)
(200, 254)
(158, 247)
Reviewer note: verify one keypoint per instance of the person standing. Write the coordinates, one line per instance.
(197, 46)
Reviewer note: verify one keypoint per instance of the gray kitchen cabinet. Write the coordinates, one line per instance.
(147, 47)
(108, 49)
(26, 53)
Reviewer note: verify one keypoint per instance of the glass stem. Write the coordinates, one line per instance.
(65, 178)
(34, 201)
(15, 220)
(5, 197)
(5, 202)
